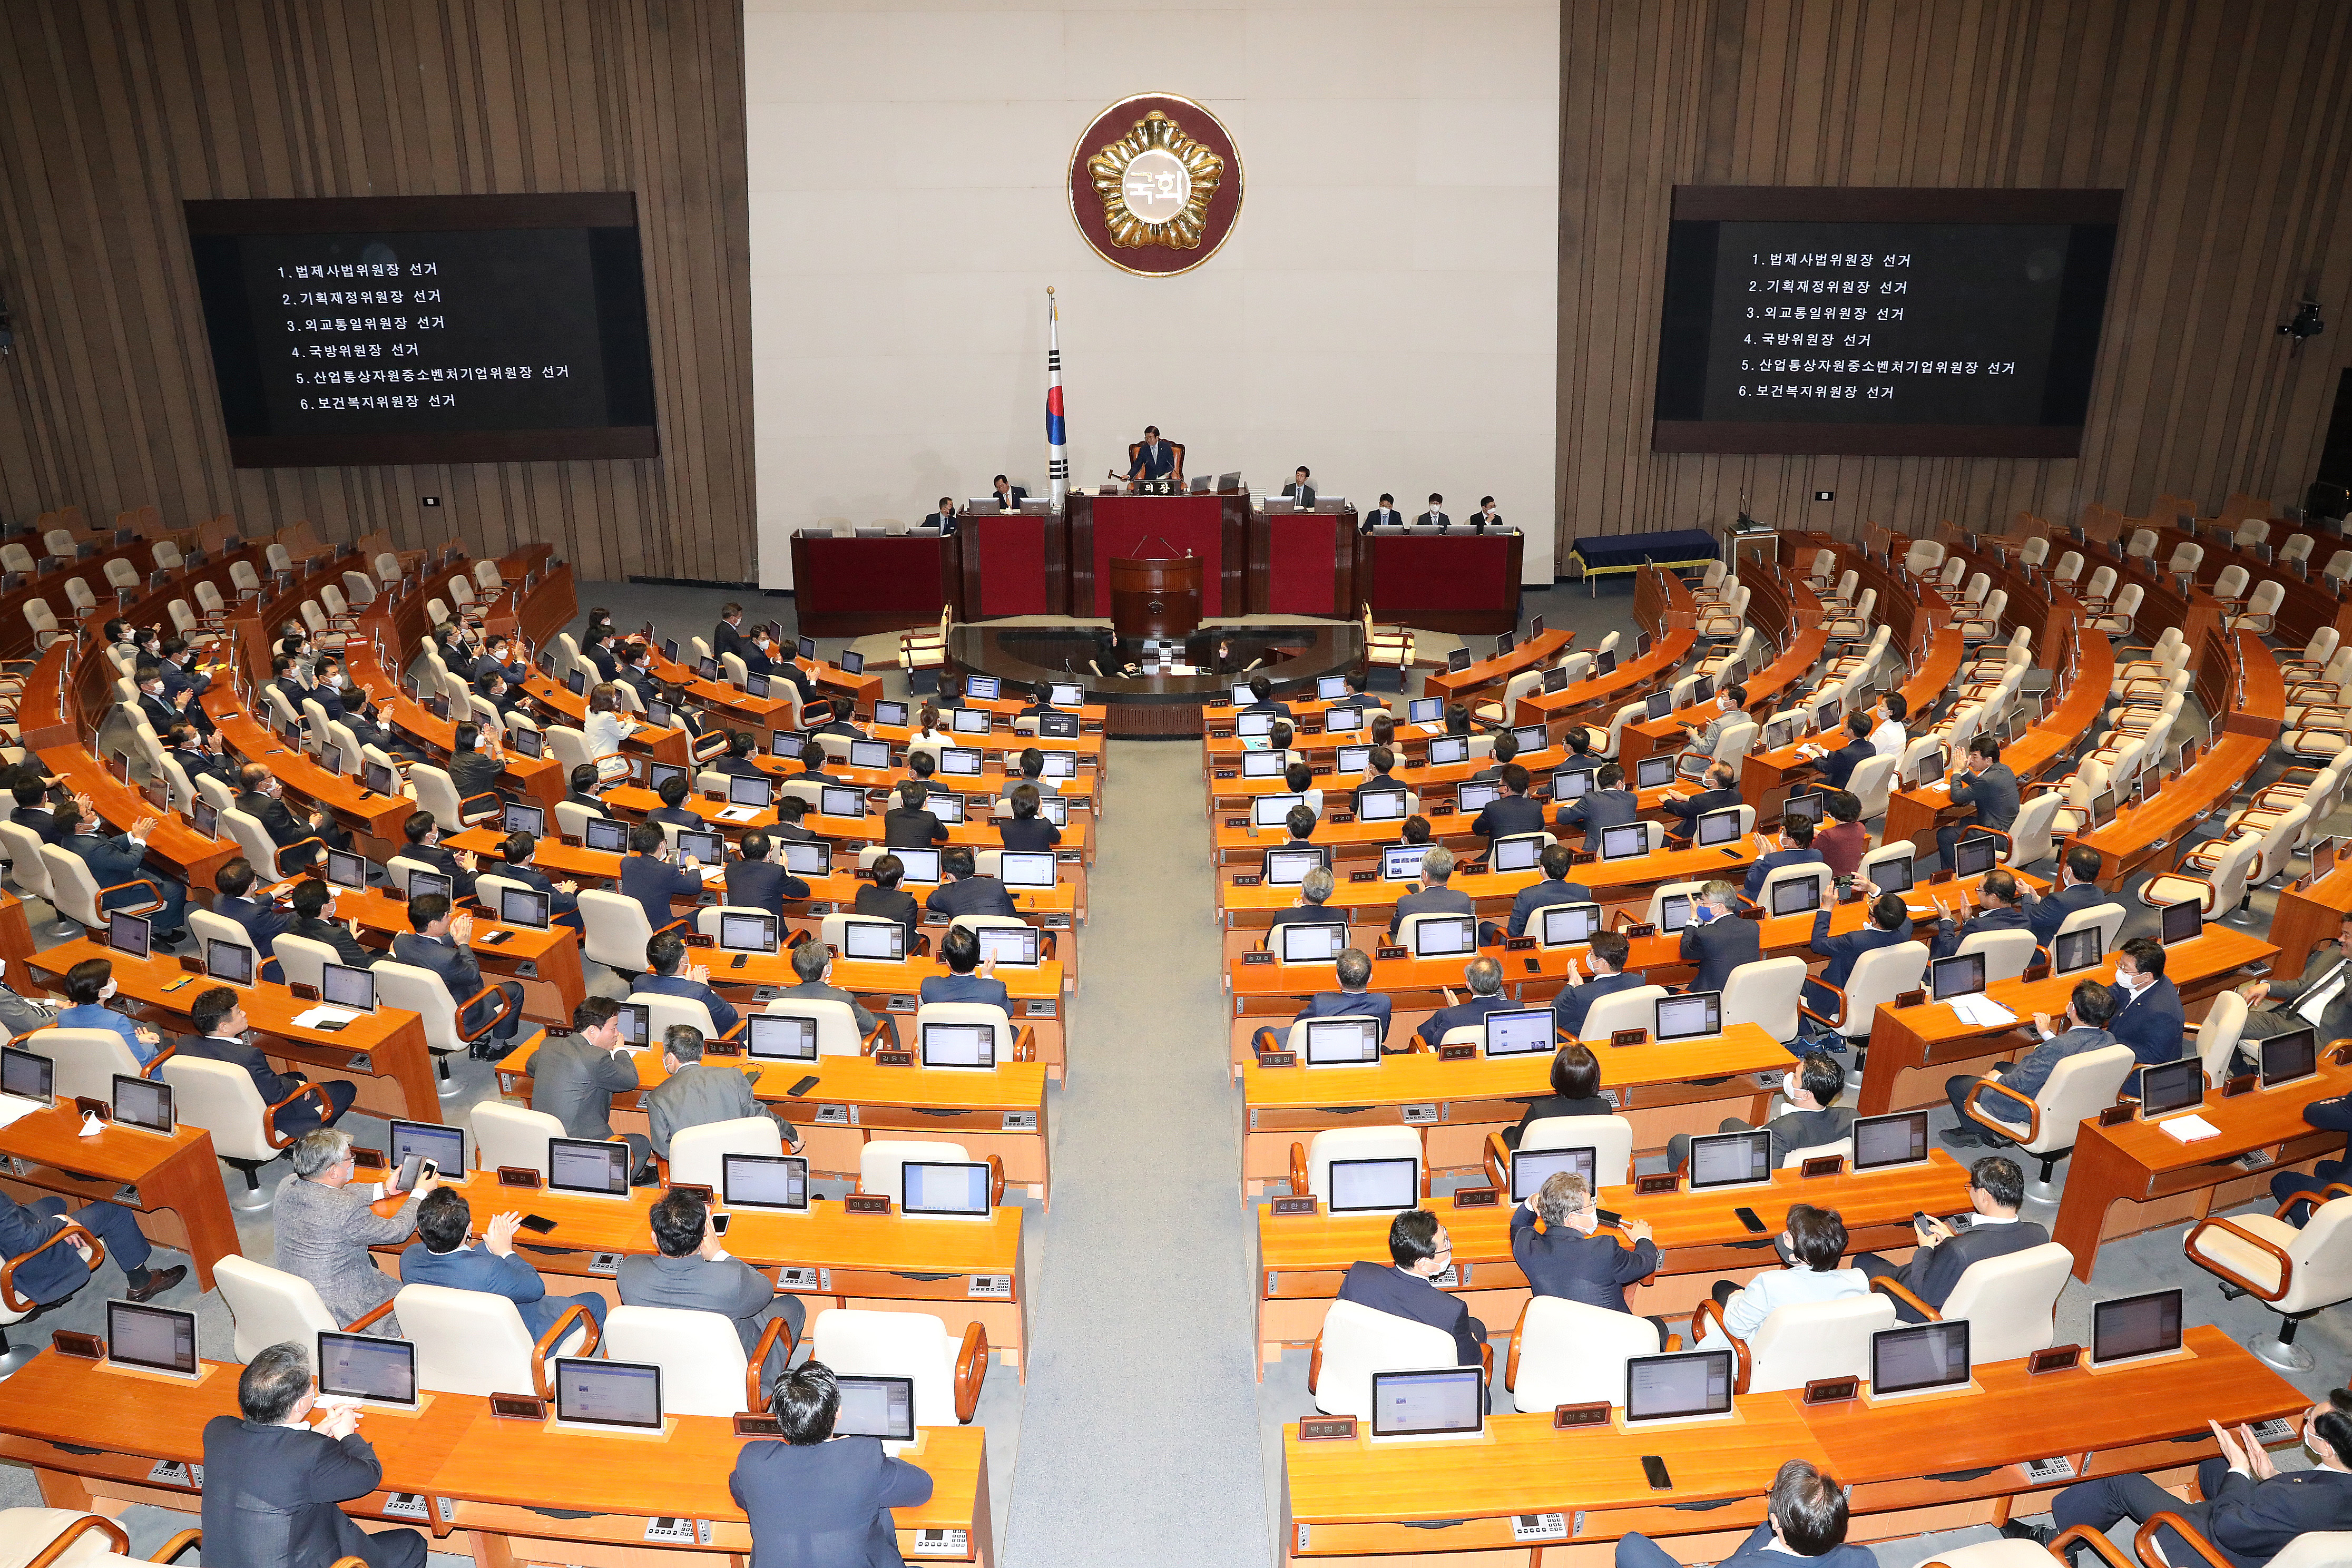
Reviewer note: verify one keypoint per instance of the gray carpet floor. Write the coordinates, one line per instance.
(1141, 1433)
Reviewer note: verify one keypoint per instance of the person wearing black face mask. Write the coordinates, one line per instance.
(221, 1035)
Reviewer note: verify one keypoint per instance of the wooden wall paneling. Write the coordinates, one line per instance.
(119, 110)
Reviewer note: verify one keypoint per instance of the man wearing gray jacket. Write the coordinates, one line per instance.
(692, 1271)
(2081, 1027)
(325, 1228)
(696, 1092)
(573, 1078)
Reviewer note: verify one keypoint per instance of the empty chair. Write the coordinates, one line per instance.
(511, 1136)
(473, 1342)
(1310, 1166)
(882, 1165)
(696, 1153)
(2260, 614)
(2006, 952)
(2185, 559)
(948, 1371)
(1634, 1007)
(220, 1098)
(2294, 1272)
(704, 1371)
(1571, 1353)
(268, 1306)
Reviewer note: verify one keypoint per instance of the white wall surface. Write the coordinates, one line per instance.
(1383, 310)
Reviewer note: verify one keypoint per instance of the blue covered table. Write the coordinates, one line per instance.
(1607, 553)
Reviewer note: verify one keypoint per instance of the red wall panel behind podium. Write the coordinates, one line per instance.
(1300, 552)
(1012, 551)
(1156, 526)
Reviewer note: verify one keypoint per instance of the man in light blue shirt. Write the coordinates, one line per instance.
(1811, 1245)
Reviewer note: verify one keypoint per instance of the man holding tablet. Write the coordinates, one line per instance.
(811, 1500)
(1996, 1192)
(1419, 1250)
(1805, 1519)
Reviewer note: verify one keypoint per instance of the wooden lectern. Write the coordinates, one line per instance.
(1155, 597)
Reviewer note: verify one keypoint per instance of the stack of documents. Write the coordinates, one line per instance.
(1982, 1012)
(312, 1018)
(2191, 1127)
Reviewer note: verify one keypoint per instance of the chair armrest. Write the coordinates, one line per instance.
(1990, 1122)
(995, 1179)
(542, 1353)
(1299, 1182)
(286, 849)
(170, 1551)
(269, 1116)
(1499, 1163)
(755, 1395)
(1837, 991)
(970, 1370)
(1889, 1286)
(2144, 1543)
(885, 1025)
(147, 882)
(161, 1055)
(1487, 1362)
(69, 1230)
(374, 1314)
(507, 1008)
(1710, 1310)
(2286, 1262)
(56, 1549)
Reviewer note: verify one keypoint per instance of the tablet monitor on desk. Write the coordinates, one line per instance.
(1254, 726)
(608, 1395)
(364, 1368)
(658, 713)
(27, 1074)
(152, 1338)
(1730, 1159)
(1446, 750)
(1274, 810)
(588, 1169)
(331, 758)
(1426, 711)
(1264, 765)
(1654, 772)
(1522, 852)
(1930, 766)
(1657, 705)
(1019, 945)
(142, 1103)
(1061, 765)
(1921, 1359)
(1530, 737)
(764, 1181)
(1444, 936)
(893, 714)
(1566, 925)
(1717, 827)
(526, 743)
(205, 816)
(1067, 695)
(849, 800)
(1375, 1186)
(2323, 859)
(1573, 784)
(946, 1189)
(1682, 1385)
(2103, 808)
(958, 1046)
(803, 648)
(231, 962)
(983, 688)
(1032, 870)
(1892, 875)
(747, 933)
(2174, 1085)
(2289, 1058)
(1349, 759)
(1881, 1142)
(780, 1037)
(1625, 841)
(1241, 694)
(1962, 974)
(759, 790)
(1694, 1015)
(918, 864)
(608, 834)
(873, 755)
(885, 940)
(1401, 862)
(1800, 896)
(445, 1146)
(1702, 691)
(2075, 951)
(1318, 941)
(1377, 806)
(1675, 911)
(1556, 678)
(812, 858)
(709, 848)
(949, 807)
(524, 907)
(1342, 720)
(1530, 1168)
(1519, 1032)
(129, 933)
(1426, 1406)
(1289, 868)
(2182, 922)
(347, 986)
(520, 817)
(636, 1024)
(880, 1407)
(970, 721)
(1976, 854)
(422, 883)
(1604, 663)
(2135, 1326)
(1343, 1043)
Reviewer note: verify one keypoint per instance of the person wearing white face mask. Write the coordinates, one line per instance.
(2251, 1509)
(1730, 703)
(88, 985)
(2148, 1008)
(160, 711)
(1810, 1119)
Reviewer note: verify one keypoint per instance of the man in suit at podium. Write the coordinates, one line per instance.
(1009, 496)
(1385, 515)
(1299, 489)
(944, 520)
(1433, 518)
(1153, 459)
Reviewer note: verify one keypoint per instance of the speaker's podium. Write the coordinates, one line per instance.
(1188, 553)
(1155, 596)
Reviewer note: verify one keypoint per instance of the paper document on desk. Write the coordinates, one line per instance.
(12, 1108)
(1982, 1012)
(312, 1018)
(713, 873)
(2189, 1129)
(739, 813)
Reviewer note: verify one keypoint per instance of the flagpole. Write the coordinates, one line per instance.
(1057, 447)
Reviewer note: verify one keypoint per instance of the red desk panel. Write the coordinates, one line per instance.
(1012, 558)
(849, 587)
(1159, 526)
(1444, 583)
(1300, 549)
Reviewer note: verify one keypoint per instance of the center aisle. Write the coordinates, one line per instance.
(1138, 1425)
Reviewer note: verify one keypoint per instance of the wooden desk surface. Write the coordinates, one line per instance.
(1662, 605)
(1420, 1077)
(1454, 685)
(53, 1137)
(1609, 880)
(2309, 913)
(857, 1080)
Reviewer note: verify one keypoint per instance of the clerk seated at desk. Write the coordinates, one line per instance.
(1555, 888)
(1796, 837)
(1888, 922)
(959, 949)
(1435, 516)
(815, 1497)
(1354, 999)
(1569, 1259)
(1605, 958)
(1812, 1120)
(223, 1036)
(1996, 1192)
(668, 974)
(1384, 515)
(1806, 1519)
(944, 520)
(1300, 488)
(1419, 1250)
(1722, 791)
(2083, 1027)
(1607, 804)
(1153, 458)
(1485, 518)
(1435, 898)
(442, 1254)
(2004, 909)
(1718, 941)
(1484, 978)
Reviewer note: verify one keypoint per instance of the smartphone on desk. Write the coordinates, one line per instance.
(1747, 1217)
(496, 937)
(538, 1224)
(802, 1087)
(1654, 1469)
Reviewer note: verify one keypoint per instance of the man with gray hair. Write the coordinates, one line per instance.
(272, 1480)
(696, 1092)
(1571, 1256)
(325, 1228)
(1354, 999)
(813, 961)
(1486, 979)
(1313, 889)
(1434, 897)
(1718, 941)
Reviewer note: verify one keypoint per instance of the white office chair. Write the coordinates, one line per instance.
(87, 1061)
(424, 993)
(1878, 977)
(1570, 1353)
(836, 1024)
(76, 894)
(2294, 1272)
(948, 1372)
(1800, 1342)
(2079, 1086)
(1871, 781)
(2217, 1036)
(831, 929)
(2006, 952)
(697, 1154)
(664, 1013)
(704, 1369)
(473, 1343)
(1310, 1164)
(268, 1306)
(618, 930)
(2010, 1302)
(1632, 1008)
(2107, 918)
(219, 1096)
(1357, 1341)
(1768, 992)
(882, 1165)
(1012, 1044)
(511, 1136)
(1610, 1139)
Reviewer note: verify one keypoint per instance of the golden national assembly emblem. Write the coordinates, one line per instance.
(1155, 185)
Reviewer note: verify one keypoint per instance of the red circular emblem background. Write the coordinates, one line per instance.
(1086, 208)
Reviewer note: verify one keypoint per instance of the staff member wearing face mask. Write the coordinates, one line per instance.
(222, 1037)
(1811, 1120)
(2148, 1008)
(1730, 703)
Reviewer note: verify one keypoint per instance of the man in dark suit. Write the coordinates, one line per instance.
(1605, 962)
(598, 651)
(1433, 897)
(1837, 766)
(1313, 888)
(441, 1255)
(2003, 910)
(261, 798)
(1378, 777)
(1813, 1118)
(2251, 1508)
(2321, 995)
(810, 1499)
(181, 674)
(1718, 941)
(1567, 1258)
(729, 636)
(272, 1483)
(965, 892)
(1484, 978)
(502, 658)
(1504, 748)
(647, 876)
(673, 808)
(691, 1269)
(1555, 888)
(2081, 1027)
(1435, 516)
(161, 711)
(2077, 889)
(189, 747)
(668, 974)
(907, 826)
(1796, 841)
(885, 899)
(944, 519)
(33, 811)
(755, 881)
(1384, 515)
(516, 852)
(438, 943)
(1996, 1191)
(311, 898)
(474, 770)
(1606, 805)
(970, 978)
(2304, 1190)
(424, 846)
(1486, 517)
(813, 760)
(1354, 999)
(583, 792)
(1686, 809)
(1887, 923)
(1510, 811)
(1419, 1250)
(1262, 699)
(64, 1269)
(1009, 496)
(2147, 1014)
(1153, 459)
(114, 862)
(1024, 829)
(1988, 787)
(263, 920)
(1299, 490)
(1805, 1520)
